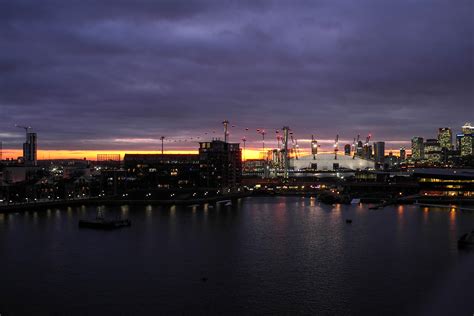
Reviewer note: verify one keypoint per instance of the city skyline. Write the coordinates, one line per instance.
(89, 78)
(178, 145)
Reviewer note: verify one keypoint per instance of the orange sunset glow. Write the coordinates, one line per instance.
(92, 154)
(249, 153)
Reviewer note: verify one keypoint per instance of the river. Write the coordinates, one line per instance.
(273, 255)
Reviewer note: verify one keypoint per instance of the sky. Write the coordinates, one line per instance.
(114, 76)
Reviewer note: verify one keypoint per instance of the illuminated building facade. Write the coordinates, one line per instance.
(446, 182)
(403, 153)
(466, 140)
(432, 150)
(417, 148)
(326, 162)
(445, 138)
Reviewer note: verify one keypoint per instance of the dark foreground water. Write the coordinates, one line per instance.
(260, 256)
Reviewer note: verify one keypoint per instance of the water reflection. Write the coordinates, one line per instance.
(172, 212)
(124, 209)
(148, 211)
(452, 219)
(305, 251)
(425, 215)
(400, 215)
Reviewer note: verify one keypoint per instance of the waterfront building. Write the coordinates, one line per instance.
(432, 150)
(445, 138)
(30, 149)
(254, 167)
(454, 183)
(164, 170)
(417, 148)
(220, 164)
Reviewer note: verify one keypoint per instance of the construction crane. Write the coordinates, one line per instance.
(262, 132)
(367, 140)
(297, 149)
(354, 148)
(244, 140)
(226, 133)
(278, 139)
(162, 140)
(293, 145)
(314, 147)
(26, 128)
(366, 153)
(286, 159)
(336, 144)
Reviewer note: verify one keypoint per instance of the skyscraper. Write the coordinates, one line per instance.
(403, 153)
(432, 150)
(379, 152)
(417, 148)
(30, 149)
(467, 140)
(445, 138)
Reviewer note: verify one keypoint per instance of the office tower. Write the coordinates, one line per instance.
(466, 140)
(220, 163)
(379, 152)
(417, 148)
(445, 138)
(432, 150)
(403, 153)
(30, 149)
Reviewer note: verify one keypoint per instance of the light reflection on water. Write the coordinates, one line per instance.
(294, 254)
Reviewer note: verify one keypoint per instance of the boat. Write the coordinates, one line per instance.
(466, 240)
(101, 223)
(355, 201)
(328, 198)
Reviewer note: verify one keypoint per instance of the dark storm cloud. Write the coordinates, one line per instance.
(86, 73)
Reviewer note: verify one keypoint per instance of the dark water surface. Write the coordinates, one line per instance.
(260, 256)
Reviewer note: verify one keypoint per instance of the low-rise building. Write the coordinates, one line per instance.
(164, 170)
